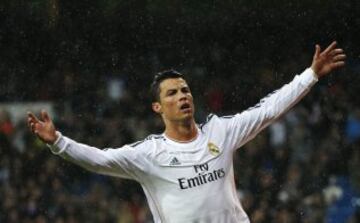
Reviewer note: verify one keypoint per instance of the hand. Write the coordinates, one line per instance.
(329, 60)
(44, 128)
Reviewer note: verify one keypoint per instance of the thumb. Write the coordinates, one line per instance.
(317, 51)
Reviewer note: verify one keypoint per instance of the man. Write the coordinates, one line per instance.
(187, 172)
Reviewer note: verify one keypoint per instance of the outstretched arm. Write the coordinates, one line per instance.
(246, 125)
(116, 162)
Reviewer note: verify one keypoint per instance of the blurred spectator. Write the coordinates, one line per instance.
(353, 126)
(231, 50)
(6, 127)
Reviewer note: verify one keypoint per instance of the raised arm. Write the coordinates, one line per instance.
(246, 125)
(116, 162)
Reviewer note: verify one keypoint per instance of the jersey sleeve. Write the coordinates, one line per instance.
(122, 162)
(245, 126)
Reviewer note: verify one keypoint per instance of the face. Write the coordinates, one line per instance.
(176, 101)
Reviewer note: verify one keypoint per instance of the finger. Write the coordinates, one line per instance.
(32, 117)
(45, 116)
(32, 128)
(330, 48)
(339, 57)
(337, 64)
(336, 51)
(29, 121)
(317, 50)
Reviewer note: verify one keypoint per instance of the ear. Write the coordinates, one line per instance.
(156, 107)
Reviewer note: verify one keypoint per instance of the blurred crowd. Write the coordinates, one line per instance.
(94, 60)
(287, 174)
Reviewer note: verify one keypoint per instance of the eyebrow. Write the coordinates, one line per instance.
(171, 89)
(183, 85)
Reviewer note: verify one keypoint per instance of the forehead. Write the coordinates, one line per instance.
(172, 83)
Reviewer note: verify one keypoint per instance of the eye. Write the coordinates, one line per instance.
(185, 90)
(171, 92)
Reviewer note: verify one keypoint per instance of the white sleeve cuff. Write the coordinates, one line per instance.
(308, 77)
(59, 145)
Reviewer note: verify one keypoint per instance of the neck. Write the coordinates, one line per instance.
(181, 131)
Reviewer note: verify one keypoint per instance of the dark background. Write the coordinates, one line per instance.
(232, 52)
(225, 39)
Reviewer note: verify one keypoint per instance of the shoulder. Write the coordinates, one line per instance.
(147, 142)
(143, 148)
(209, 118)
(213, 120)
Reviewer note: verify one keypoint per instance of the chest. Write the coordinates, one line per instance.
(185, 168)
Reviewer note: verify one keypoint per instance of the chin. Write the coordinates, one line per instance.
(187, 117)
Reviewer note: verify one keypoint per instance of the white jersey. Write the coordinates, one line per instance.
(192, 181)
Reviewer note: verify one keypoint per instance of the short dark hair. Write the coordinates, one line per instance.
(160, 77)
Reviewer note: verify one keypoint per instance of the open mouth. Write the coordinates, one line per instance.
(185, 106)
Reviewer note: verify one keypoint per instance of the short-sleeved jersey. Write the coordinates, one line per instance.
(191, 181)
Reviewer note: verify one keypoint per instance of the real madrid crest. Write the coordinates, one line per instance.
(213, 149)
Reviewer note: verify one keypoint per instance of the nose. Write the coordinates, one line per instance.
(183, 96)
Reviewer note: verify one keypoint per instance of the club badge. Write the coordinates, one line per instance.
(213, 149)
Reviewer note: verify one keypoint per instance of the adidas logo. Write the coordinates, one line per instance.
(174, 162)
